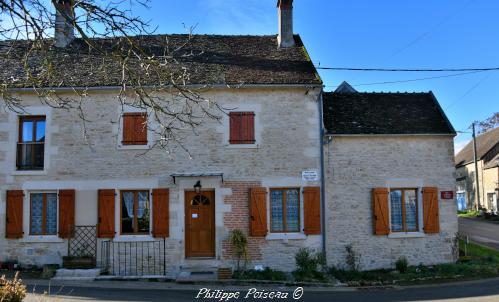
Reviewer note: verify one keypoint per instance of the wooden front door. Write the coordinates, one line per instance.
(200, 224)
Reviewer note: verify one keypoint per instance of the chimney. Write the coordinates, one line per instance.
(285, 37)
(64, 31)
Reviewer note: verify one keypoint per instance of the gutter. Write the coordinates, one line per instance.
(323, 178)
(389, 135)
(190, 86)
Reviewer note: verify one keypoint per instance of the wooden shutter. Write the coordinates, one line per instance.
(430, 210)
(66, 213)
(160, 214)
(14, 217)
(242, 127)
(380, 211)
(105, 224)
(134, 129)
(258, 212)
(312, 210)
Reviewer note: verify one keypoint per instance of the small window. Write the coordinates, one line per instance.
(284, 210)
(242, 128)
(31, 143)
(135, 212)
(135, 128)
(43, 214)
(404, 210)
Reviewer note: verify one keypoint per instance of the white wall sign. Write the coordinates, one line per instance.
(310, 175)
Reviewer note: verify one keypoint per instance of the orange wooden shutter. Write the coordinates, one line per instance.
(160, 214)
(105, 225)
(14, 225)
(430, 210)
(66, 213)
(312, 210)
(134, 129)
(258, 212)
(242, 127)
(380, 211)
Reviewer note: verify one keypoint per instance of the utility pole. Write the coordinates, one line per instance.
(476, 167)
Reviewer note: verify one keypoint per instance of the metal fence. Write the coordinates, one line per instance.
(83, 242)
(143, 258)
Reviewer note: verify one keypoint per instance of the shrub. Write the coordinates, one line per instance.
(307, 264)
(239, 243)
(352, 258)
(12, 290)
(402, 264)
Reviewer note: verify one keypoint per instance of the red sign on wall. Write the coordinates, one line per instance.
(447, 194)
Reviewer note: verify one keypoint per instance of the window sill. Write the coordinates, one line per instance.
(242, 146)
(286, 236)
(407, 235)
(133, 238)
(133, 147)
(42, 239)
(28, 172)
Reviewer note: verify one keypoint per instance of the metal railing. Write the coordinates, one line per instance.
(142, 258)
(83, 242)
(30, 155)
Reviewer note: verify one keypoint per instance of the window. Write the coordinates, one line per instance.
(242, 128)
(284, 210)
(135, 128)
(31, 143)
(43, 214)
(404, 210)
(135, 212)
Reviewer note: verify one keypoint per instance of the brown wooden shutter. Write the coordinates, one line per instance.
(66, 213)
(160, 214)
(134, 129)
(14, 223)
(430, 210)
(242, 127)
(258, 212)
(105, 224)
(380, 211)
(312, 210)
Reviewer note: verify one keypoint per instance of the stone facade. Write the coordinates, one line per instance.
(287, 134)
(354, 165)
(488, 183)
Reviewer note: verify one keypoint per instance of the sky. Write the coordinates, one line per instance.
(365, 34)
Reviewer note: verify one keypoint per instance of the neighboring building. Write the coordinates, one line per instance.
(488, 173)
(259, 170)
(387, 157)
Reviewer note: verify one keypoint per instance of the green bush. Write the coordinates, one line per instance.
(239, 243)
(12, 290)
(402, 264)
(307, 264)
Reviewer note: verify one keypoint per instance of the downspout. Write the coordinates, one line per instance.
(323, 179)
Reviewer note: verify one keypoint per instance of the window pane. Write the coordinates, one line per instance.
(143, 212)
(36, 213)
(127, 212)
(396, 210)
(51, 220)
(27, 128)
(410, 210)
(292, 210)
(40, 131)
(276, 211)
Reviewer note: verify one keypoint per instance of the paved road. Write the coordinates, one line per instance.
(485, 233)
(483, 291)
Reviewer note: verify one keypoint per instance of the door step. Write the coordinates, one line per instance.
(193, 276)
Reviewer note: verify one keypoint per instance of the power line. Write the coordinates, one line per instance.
(410, 70)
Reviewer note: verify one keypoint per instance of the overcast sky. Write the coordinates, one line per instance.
(366, 33)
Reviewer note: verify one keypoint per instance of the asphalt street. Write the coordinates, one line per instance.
(484, 290)
(485, 233)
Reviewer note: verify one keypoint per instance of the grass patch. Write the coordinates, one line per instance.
(468, 213)
(481, 262)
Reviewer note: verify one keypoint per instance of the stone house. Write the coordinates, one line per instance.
(488, 173)
(266, 168)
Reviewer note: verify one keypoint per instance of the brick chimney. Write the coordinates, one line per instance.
(64, 31)
(285, 37)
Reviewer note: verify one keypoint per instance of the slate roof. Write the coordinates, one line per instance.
(384, 113)
(209, 59)
(484, 143)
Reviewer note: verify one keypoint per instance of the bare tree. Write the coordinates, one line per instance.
(488, 124)
(150, 72)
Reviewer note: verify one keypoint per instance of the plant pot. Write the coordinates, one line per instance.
(71, 262)
(224, 273)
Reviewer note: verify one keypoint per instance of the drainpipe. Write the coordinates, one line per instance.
(323, 180)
